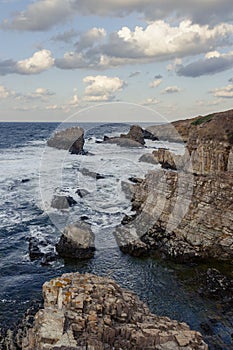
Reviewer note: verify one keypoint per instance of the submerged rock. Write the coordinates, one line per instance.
(76, 242)
(92, 312)
(87, 172)
(71, 139)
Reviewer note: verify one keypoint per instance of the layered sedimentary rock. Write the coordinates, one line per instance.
(91, 312)
(71, 139)
(187, 214)
(76, 242)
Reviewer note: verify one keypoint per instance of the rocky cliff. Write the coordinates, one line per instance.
(94, 313)
(187, 214)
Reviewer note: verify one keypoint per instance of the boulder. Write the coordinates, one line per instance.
(81, 192)
(134, 138)
(71, 139)
(62, 202)
(149, 158)
(136, 134)
(87, 172)
(93, 312)
(76, 242)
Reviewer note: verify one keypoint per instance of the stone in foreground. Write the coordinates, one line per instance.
(91, 312)
(76, 242)
(71, 139)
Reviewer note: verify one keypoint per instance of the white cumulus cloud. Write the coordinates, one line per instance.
(155, 83)
(101, 87)
(171, 90)
(224, 92)
(40, 61)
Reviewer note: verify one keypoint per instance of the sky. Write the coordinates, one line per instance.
(115, 60)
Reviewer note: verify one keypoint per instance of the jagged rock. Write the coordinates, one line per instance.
(182, 216)
(149, 136)
(34, 247)
(62, 202)
(71, 139)
(82, 192)
(187, 215)
(76, 242)
(92, 312)
(136, 134)
(134, 138)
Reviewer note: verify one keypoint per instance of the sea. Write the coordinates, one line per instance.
(31, 173)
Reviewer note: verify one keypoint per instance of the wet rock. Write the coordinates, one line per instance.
(92, 312)
(48, 258)
(149, 136)
(25, 180)
(135, 180)
(71, 139)
(149, 158)
(136, 134)
(217, 285)
(76, 242)
(62, 202)
(134, 138)
(84, 218)
(123, 142)
(35, 245)
(128, 189)
(82, 192)
(87, 172)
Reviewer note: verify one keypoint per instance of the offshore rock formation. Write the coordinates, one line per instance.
(76, 242)
(134, 138)
(62, 202)
(187, 214)
(94, 313)
(71, 139)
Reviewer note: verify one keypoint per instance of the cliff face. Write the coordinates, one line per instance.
(91, 312)
(187, 214)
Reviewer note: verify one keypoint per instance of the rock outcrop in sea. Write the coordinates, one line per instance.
(186, 214)
(71, 139)
(94, 313)
(134, 138)
(76, 242)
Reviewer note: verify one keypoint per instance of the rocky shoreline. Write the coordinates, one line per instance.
(183, 212)
(186, 211)
(92, 312)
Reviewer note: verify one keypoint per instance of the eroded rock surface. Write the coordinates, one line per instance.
(94, 313)
(187, 214)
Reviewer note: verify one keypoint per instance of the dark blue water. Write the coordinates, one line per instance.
(21, 147)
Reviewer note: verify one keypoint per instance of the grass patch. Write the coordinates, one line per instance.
(202, 120)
